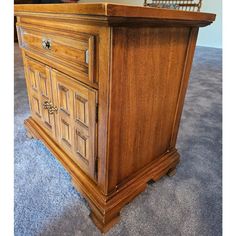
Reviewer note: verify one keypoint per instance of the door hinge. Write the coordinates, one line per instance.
(96, 112)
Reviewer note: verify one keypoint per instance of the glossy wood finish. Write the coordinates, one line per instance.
(39, 90)
(75, 51)
(19, 2)
(144, 96)
(117, 10)
(118, 77)
(76, 120)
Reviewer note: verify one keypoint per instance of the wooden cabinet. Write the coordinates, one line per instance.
(106, 86)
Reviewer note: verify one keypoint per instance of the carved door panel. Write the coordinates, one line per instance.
(76, 120)
(39, 91)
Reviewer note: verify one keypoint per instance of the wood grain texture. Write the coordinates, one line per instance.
(68, 49)
(117, 10)
(39, 90)
(76, 120)
(116, 77)
(144, 93)
(100, 58)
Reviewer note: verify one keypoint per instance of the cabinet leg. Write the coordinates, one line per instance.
(105, 222)
(171, 172)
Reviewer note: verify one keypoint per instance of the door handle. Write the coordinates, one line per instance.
(50, 107)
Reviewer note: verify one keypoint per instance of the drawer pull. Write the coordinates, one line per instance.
(87, 56)
(48, 105)
(46, 44)
(52, 109)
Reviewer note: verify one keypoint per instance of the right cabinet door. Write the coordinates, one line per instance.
(76, 120)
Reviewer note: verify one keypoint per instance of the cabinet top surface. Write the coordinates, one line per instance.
(114, 10)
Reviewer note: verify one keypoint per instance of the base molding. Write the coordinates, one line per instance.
(105, 209)
(105, 227)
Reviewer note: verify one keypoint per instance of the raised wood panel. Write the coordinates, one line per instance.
(81, 109)
(82, 144)
(39, 90)
(33, 80)
(44, 86)
(65, 133)
(144, 96)
(64, 99)
(76, 121)
(36, 108)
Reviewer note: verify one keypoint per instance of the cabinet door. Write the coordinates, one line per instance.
(39, 91)
(76, 120)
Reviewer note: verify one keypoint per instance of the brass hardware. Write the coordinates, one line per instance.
(46, 44)
(52, 109)
(48, 105)
(87, 56)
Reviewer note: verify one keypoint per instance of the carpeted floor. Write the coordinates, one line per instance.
(187, 204)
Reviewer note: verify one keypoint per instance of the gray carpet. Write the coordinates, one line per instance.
(187, 204)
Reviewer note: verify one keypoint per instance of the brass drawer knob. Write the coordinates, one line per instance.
(46, 44)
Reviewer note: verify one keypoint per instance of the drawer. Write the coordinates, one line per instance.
(71, 51)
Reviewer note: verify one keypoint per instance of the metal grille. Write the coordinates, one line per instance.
(184, 5)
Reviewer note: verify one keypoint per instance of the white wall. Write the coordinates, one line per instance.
(209, 36)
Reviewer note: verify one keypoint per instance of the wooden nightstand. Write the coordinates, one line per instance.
(106, 86)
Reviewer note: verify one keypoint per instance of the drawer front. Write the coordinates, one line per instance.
(76, 52)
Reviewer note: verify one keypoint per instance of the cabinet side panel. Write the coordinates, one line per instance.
(147, 69)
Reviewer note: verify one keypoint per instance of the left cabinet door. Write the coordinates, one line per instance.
(40, 93)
